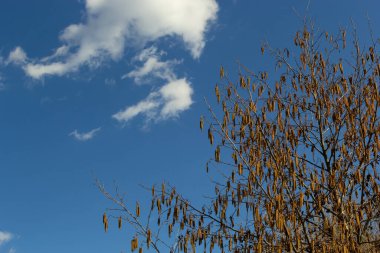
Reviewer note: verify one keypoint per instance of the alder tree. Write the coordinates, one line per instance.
(299, 153)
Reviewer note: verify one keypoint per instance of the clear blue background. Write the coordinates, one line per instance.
(47, 194)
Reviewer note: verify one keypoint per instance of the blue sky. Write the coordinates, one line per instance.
(114, 90)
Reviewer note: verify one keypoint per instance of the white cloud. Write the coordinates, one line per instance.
(152, 67)
(147, 106)
(167, 102)
(39, 70)
(17, 56)
(176, 96)
(111, 25)
(61, 51)
(86, 135)
(12, 250)
(5, 237)
(171, 99)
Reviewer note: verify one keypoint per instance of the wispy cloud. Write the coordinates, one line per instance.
(166, 102)
(5, 237)
(110, 82)
(152, 66)
(2, 84)
(17, 57)
(85, 136)
(173, 98)
(112, 25)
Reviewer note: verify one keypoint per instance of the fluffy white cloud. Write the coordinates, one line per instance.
(17, 56)
(167, 102)
(171, 99)
(111, 25)
(85, 136)
(5, 237)
(39, 70)
(176, 96)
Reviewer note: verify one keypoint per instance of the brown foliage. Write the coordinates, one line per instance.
(301, 157)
